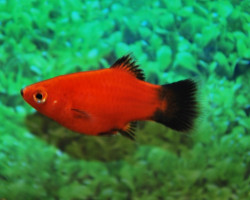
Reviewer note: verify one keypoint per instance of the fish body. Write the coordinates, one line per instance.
(108, 101)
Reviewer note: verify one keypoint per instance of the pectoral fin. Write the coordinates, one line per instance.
(80, 113)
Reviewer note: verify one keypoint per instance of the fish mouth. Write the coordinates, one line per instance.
(21, 91)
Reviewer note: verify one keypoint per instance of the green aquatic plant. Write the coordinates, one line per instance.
(171, 40)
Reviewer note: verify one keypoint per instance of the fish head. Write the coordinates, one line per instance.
(45, 97)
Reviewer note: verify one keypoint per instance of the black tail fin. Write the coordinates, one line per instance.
(181, 105)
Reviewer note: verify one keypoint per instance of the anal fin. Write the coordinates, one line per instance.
(129, 130)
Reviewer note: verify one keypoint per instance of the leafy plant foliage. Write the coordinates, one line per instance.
(172, 40)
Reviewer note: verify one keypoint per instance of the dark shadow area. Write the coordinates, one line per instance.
(106, 148)
(80, 146)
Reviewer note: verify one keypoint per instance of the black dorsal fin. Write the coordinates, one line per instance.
(129, 130)
(127, 63)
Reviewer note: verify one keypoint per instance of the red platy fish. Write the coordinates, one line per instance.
(108, 101)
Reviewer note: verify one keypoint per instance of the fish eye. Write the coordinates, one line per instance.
(40, 97)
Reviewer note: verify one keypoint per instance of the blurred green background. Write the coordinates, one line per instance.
(171, 40)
